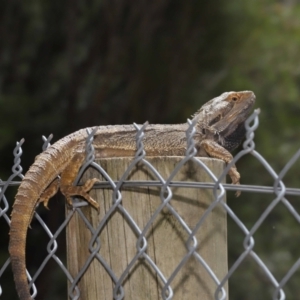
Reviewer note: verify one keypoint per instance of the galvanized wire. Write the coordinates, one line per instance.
(278, 189)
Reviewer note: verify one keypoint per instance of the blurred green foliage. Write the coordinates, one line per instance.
(65, 65)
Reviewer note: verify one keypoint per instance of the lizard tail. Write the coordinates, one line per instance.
(17, 253)
(44, 170)
(34, 183)
(36, 180)
(20, 220)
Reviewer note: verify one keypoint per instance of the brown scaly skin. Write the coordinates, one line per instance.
(219, 130)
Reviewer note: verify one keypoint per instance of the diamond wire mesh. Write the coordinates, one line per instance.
(278, 189)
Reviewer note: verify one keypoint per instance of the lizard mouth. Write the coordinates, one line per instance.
(235, 117)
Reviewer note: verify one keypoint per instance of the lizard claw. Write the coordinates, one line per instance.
(238, 193)
(235, 177)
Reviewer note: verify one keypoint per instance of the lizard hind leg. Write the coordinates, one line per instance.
(70, 190)
(67, 178)
(49, 192)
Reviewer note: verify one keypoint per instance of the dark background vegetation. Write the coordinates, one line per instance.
(69, 64)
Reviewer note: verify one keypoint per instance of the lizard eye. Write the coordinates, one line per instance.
(234, 98)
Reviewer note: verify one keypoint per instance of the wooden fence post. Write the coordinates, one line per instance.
(166, 237)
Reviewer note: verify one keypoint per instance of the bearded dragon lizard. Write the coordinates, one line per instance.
(219, 130)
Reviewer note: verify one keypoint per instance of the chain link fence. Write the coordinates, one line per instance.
(278, 191)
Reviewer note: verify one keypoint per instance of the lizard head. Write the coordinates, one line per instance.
(222, 118)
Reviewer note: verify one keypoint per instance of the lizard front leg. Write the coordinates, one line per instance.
(213, 149)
